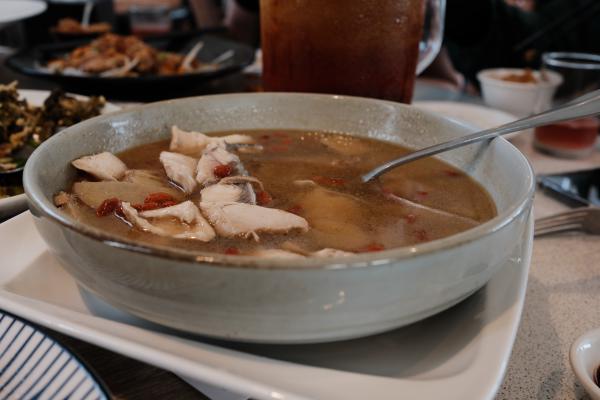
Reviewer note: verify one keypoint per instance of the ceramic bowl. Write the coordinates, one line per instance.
(585, 360)
(274, 300)
(520, 99)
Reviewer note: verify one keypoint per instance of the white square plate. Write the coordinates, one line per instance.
(461, 353)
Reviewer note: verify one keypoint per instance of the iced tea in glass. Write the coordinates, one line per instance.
(581, 74)
(354, 47)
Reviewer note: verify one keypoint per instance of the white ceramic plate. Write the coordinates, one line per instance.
(16, 10)
(461, 353)
(13, 205)
(34, 366)
(474, 115)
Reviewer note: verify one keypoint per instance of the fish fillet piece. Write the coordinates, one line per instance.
(327, 252)
(246, 220)
(94, 193)
(186, 212)
(195, 227)
(105, 166)
(275, 253)
(222, 193)
(330, 253)
(232, 189)
(335, 218)
(145, 177)
(280, 253)
(213, 156)
(190, 142)
(180, 169)
(132, 216)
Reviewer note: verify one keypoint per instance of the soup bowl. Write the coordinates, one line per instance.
(253, 299)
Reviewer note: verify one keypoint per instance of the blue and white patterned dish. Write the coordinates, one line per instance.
(34, 366)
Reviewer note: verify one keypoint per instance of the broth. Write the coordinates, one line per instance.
(316, 175)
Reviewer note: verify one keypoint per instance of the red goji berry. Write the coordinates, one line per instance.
(222, 170)
(107, 207)
(263, 198)
(232, 251)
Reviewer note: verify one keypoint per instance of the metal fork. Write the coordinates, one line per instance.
(585, 219)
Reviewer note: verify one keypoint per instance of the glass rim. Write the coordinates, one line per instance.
(148, 8)
(572, 60)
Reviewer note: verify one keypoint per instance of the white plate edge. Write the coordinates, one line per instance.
(105, 333)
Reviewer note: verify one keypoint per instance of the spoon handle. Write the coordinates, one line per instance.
(584, 106)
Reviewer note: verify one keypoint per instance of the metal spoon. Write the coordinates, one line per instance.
(581, 107)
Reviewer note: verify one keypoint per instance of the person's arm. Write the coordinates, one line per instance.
(243, 21)
(207, 13)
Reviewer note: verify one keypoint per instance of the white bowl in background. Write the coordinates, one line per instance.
(520, 99)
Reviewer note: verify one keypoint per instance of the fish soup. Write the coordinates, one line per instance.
(272, 193)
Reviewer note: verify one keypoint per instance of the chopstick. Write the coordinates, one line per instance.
(557, 23)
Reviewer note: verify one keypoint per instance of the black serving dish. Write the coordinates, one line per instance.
(150, 87)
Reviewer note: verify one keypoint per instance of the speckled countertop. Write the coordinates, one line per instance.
(562, 301)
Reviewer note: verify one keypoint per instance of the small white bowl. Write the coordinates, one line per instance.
(520, 99)
(585, 359)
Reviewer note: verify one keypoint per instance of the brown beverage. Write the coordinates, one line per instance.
(570, 139)
(355, 47)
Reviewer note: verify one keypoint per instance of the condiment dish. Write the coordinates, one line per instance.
(585, 360)
(518, 98)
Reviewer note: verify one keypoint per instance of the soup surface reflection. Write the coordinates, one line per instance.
(313, 175)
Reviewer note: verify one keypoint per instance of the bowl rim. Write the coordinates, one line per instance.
(486, 76)
(572, 60)
(46, 207)
(576, 360)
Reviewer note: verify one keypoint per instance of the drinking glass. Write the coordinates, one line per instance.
(369, 48)
(149, 20)
(581, 74)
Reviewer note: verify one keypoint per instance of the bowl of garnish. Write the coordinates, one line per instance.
(519, 91)
(27, 118)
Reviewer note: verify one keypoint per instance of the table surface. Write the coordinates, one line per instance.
(562, 301)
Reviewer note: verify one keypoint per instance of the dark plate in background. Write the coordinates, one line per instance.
(142, 88)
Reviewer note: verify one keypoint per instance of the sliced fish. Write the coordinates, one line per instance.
(105, 166)
(190, 142)
(331, 253)
(180, 169)
(222, 193)
(132, 216)
(197, 227)
(247, 220)
(186, 212)
(213, 156)
(275, 253)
